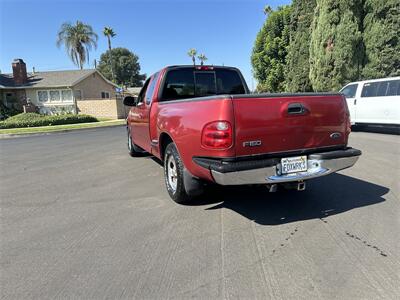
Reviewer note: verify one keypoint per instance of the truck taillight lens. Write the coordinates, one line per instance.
(217, 135)
(348, 122)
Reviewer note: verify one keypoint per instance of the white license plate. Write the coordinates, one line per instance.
(293, 164)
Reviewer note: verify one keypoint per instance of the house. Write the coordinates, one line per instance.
(133, 91)
(75, 91)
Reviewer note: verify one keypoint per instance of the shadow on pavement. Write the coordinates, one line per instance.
(323, 197)
(395, 130)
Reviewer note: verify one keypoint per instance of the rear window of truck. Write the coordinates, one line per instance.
(190, 83)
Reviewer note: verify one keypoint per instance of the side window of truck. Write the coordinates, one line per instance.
(140, 98)
(150, 90)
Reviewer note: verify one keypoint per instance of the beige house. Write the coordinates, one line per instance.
(76, 91)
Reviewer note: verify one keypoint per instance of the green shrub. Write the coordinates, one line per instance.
(35, 120)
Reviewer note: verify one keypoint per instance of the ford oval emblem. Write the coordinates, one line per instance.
(335, 135)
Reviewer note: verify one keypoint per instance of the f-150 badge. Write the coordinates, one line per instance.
(251, 143)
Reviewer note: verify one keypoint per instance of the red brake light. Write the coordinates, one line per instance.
(204, 68)
(217, 135)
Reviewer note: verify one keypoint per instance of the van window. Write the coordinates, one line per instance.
(382, 88)
(370, 89)
(350, 91)
(393, 88)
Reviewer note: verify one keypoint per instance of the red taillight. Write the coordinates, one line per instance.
(217, 135)
(348, 122)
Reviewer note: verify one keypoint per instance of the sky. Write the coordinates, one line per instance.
(160, 32)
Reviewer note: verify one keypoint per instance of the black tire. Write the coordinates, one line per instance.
(134, 150)
(174, 183)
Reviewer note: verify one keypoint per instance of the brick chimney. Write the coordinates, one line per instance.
(19, 71)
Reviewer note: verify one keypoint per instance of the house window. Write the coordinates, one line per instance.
(78, 94)
(54, 96)
(105, 95)
(43, 96)
(66, 95)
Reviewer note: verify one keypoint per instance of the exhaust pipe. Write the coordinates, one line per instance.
(272, 188)
(301, 186)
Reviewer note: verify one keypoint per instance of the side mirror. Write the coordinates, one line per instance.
(130, 101)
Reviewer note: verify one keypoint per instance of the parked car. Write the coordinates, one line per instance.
(374, 102)
(206, 127)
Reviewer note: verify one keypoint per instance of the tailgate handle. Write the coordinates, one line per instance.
(296, 109)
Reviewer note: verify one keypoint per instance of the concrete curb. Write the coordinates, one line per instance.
(21, 135)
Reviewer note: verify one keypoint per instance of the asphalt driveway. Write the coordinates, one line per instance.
(80, 218)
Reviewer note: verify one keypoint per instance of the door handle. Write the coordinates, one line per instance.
(355, 101)
(296, 109)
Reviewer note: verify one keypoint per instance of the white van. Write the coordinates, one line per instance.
(375, 102)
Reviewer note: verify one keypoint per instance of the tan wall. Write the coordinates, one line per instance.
(113, 108)
(92, 86)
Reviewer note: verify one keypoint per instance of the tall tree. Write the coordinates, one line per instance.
(78, 40)
(126, 67)
(267, 10)
(336, 54)
(381, 38)
(192, 53)
(109, 33)
(298, 66)
(270, 49)
(202, 58)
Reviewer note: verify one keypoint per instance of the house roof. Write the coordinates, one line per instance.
(49, 79)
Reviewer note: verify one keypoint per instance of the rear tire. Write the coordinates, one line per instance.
(134, 150)
(173, 175)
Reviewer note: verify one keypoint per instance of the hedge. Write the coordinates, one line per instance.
(35, 120)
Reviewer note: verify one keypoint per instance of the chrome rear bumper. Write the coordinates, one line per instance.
(319, 164)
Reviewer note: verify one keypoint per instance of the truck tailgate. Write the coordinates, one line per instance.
(282, 123)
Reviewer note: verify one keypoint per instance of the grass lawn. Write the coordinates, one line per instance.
(44, 129)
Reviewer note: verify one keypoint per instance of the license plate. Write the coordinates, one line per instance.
(294, 164)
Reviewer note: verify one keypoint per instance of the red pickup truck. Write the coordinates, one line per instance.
(205, 126)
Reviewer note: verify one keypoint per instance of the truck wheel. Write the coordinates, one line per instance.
(133, 149)
(173, 175)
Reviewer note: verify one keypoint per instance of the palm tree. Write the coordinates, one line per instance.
(267, 10)
(202, 58)
(192, 53)
(109, 33)
(78, 40)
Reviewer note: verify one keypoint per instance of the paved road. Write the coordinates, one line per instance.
(82, 219)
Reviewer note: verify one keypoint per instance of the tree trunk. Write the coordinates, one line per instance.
(110, 58)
